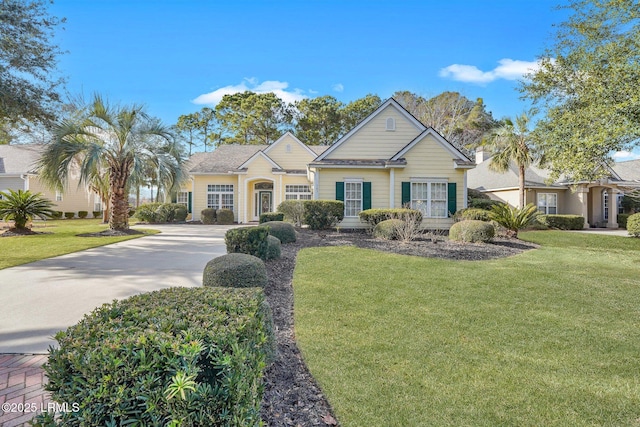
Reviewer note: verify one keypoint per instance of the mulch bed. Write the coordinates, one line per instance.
(292, 397)
(12, 232)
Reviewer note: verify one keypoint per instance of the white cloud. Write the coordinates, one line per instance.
(338, 87)
(508, 69)
(252, 84)
(625, 155)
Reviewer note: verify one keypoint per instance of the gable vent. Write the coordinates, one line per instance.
(391, 123)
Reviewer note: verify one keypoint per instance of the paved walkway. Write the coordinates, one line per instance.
(21, 391)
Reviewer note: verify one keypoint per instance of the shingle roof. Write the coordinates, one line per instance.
(318, 149)
(482, 178)
(628, 171)
(20, 158)
(223, 159)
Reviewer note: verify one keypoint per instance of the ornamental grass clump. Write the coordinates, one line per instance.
(178, 356)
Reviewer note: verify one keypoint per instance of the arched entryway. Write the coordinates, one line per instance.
(262, 198)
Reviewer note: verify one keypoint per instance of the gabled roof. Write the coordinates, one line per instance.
(223, 159)
(389, 102)
(627, 171)
(255, 156)
(457, 154)
(292, 136)
(20, 158)
(484, 179)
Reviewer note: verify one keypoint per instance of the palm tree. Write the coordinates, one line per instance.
(21, 206)
(114, 142)
(513, 143)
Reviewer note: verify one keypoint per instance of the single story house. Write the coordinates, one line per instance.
(18, 172)
(388, 160)
(598, 201)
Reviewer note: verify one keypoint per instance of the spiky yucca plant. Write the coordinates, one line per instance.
(513, 219)
(21, 206)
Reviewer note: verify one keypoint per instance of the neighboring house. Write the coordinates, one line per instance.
(18, 172)
(599, 202)
(390, 159)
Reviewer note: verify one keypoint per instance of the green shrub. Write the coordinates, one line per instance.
(82, 214)
(293, 211)
(57, 214)
(622, 220)
(471, 213)
(161, 213)
(323, 214)
(208, 216)
(472, 231)
(147, 212)
(513, 219)
(132, 212)
(485, 204)
(476, 194)
(631, 202)
(69, 215)
(633, 225)
(97, 214)
(374, 216)
(248, 240)
(388, 229)
(271, 216)
(179, 356)
(283, 231)
(224, 216)
(562, 222)
(274, 247)
(180, 212)
(235, 271)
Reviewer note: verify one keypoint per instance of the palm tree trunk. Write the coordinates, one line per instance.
(119, 218)
(521, 185)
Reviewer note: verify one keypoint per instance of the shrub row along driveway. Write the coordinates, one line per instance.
(43, 297)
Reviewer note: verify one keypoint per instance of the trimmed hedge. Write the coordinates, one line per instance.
(235, 271)
(633, 225)
(224, 216)
(375, 216)
(485, 204)
(274, 247)
(562, 222)
(97, 214)
(388, 229)
(472, 231)
(57, 214)
(271, 216)
(293, 211)
(160, 213)
(248, 240)
(323, 214)
(471, 213)
(83, 214)
(622, 220)
(69, 215)
(179, 356)
(208, 216)
(283, 231)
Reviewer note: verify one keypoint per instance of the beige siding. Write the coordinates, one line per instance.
(259, 167)
(200, 191)
(428, 159)
(74, 199)
(297, 158)
(14, 183)
(372, 141)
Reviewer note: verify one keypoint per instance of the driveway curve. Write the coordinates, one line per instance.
(43, 297)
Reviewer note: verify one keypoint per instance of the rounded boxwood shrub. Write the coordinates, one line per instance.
(208, 216)
(97, 214)
(472, 231)
(274, 247)
(83, 214)
(271, 216)
(247, 240)
(282, 230)
(388, 229)
(57, 214)
(633, 225)
(562, 222)
(69, 215)
(224, 216)
(471, 213)
(127, 361)
(235, 271)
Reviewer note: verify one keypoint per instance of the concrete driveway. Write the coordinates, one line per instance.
(41, 298)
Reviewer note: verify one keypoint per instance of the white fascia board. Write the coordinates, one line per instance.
(264, 156)
(439, 138)
(279, 140)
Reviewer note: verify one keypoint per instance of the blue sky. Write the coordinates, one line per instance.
(178, 56)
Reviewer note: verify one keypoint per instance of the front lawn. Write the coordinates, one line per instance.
(62, 240)
(549, 337)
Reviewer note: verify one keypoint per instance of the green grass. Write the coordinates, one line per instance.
(550, 337)
(62, 240)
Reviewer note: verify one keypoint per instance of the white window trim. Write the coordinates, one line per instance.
(219, 195)
(353, 181)
(295, 195)
(428, 202)
(59, 196)
(185, 195)
(545, 209)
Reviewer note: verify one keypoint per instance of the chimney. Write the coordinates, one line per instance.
(481, 155)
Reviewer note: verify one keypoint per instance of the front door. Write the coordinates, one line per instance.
(265, 202)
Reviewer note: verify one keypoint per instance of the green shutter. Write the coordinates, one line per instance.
(340, 191)
(406, 193)
(190, 202)
(174, 197)
(451, 196)
(366, 196)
